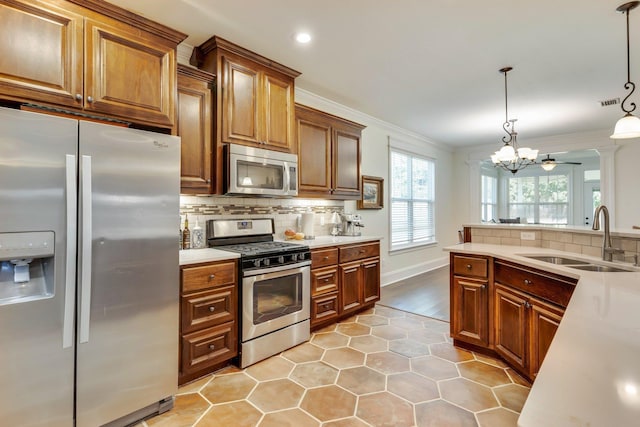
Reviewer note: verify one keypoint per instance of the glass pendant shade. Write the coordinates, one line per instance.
(527, 153)
(548, 166)
(506, 154)
(627, 127)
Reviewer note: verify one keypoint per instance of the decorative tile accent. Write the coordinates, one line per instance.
(315, 383)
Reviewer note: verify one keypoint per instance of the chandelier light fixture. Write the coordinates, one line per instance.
(629, 125)
(510, 157)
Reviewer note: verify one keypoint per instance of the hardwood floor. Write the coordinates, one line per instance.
(426, 294)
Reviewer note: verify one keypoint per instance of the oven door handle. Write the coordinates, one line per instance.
(275, 269)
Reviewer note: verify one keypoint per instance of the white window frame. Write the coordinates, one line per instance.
(493, 175)
(411, 244)
(536, 204)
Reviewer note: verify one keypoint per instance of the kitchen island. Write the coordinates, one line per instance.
(591, 374)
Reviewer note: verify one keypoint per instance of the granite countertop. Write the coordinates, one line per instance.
(591, 373)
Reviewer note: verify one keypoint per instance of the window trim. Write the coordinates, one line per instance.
(398, 148)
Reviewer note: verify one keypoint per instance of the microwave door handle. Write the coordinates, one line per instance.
(287, 177)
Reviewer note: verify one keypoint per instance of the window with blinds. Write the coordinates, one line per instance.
(412, 200)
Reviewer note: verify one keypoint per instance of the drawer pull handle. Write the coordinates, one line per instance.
(212, 309)
(212, 276)
(362, 251)
(326, 280)
(212, 347)
(325, 258)
(468, 266)
(528, 282)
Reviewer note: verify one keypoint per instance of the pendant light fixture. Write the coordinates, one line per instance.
(510, 157)
(629, 125)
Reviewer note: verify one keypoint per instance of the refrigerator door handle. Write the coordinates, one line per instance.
(70, 261)
(85, 277)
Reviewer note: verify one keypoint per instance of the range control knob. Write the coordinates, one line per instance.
(294, 257)
(280, 259)
(266, 261)
(256, 263)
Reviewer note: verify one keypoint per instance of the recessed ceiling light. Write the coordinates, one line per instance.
(303, 38)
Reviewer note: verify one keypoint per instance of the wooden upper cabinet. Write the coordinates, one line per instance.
(91, 56)
(41, 52)
(195, 127)
(329, 153)
(254, 100)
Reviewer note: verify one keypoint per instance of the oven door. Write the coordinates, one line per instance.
(273, 298)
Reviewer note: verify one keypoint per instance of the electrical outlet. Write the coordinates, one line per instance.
(527, 235)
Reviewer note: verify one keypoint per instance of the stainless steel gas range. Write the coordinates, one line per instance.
(275, 286)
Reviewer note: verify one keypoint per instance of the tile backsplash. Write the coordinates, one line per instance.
(285, 212)
(569, 241)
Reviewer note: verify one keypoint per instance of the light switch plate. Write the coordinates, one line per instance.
(527, 235)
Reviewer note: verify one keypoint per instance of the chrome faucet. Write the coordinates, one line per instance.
(607, 249)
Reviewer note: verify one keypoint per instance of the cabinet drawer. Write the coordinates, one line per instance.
(324, 257)
(209, 308)
(208, 347)
(470, 266)
(324, 308)
(324, 280)
(197, 278)
(353, 253)
(555, 289)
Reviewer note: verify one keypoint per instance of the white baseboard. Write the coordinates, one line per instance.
(394, 276)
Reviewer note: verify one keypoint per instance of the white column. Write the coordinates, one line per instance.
(608, 179)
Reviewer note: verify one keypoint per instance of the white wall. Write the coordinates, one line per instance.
(627, 172)
(375, 161)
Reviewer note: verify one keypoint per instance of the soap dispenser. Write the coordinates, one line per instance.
(197, 236)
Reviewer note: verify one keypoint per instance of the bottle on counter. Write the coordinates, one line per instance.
(186, 234)
(197, 236)
(180, 233)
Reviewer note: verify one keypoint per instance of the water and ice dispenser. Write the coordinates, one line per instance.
(26, 266)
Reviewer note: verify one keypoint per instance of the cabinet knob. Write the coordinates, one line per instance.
(89, 99)
(528, 282)
(212, 347)
(527, 305)
(326, 280)
(483, 287)
(212, 276)
(325, 258)
(362, 251)
(78, 97)
(208, 181)
(212, 309)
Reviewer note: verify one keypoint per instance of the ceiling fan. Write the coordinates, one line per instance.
(549, 164)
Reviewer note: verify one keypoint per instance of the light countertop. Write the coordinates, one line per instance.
(196, 256)
(615, 232)
(591, 373)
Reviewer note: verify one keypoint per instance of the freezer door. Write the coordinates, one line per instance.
(128, 281)
(37, 180)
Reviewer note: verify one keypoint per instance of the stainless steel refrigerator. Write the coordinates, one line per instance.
(89, 271)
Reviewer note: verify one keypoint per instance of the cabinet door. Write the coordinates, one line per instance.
(279, 113)
(370, 280)
(314, 156)
(128, 73)
(544, 322)
(511, 326)
(470, 311)
(194, 126)
(324, 308)
(240, 103)
(41, 53)
(346, 163)
(350, 287)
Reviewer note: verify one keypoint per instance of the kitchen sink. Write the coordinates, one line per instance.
(556, 260)
(602, 268)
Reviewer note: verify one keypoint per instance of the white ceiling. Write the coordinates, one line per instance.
(431, 66)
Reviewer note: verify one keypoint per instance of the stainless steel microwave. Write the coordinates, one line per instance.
(259, 172)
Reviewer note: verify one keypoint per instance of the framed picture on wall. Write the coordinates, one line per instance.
(372, 193)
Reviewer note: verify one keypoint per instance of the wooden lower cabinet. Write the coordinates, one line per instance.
(208, 318)
(511, 326)
(506, 309)
(470, 318)
(344, 280)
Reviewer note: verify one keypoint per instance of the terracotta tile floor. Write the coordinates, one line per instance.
(383, 367)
